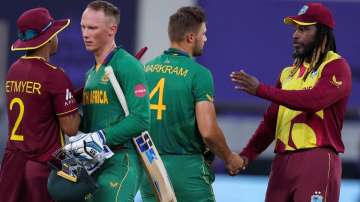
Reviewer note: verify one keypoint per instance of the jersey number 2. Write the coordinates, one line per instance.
(14, 136)
(159, 107)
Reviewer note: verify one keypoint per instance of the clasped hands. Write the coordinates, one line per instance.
(234, 163)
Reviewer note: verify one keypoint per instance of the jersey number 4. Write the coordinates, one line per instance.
(14, 136)
(159, 106)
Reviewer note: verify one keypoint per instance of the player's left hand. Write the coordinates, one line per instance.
(245, 82)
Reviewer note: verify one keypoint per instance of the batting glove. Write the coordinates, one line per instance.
(89, 146)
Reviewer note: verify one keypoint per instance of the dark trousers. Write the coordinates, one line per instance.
(23, 180)
(304, 176)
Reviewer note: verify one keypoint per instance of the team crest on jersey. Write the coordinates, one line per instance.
(303, 10)
(69, 98)
(335, 82)
(313, 74)
(105, 78)
(316, 197)
(140, 90)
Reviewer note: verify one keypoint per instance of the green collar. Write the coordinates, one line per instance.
(176, 52)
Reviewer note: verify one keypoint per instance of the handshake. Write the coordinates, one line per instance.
(89, 149)
(234, 163)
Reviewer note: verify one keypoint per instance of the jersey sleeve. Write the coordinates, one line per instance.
(264, 134)
(203, 86)
(130, 74)
(333, 85)
(62, 93)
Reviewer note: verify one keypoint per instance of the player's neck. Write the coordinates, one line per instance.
(183, 47)
(103, 53)
(40, 52)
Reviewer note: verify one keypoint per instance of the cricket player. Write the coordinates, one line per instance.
(40, 106)
(120, 176)
(183, 118)
(306, 115)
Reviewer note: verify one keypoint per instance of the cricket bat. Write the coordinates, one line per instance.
(150, 157)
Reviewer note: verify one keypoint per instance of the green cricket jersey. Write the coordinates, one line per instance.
(101, 108)
(176, 83)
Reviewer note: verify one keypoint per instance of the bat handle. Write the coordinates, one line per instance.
(141, 52)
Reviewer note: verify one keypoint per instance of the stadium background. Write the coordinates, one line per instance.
(241, 34)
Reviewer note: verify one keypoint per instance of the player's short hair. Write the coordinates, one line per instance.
(186, 19)
(108, 8)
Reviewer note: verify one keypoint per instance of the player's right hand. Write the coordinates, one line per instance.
(234, 164)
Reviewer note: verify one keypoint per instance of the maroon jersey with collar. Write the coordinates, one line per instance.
(37, 93)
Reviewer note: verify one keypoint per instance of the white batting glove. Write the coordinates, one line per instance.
(89, 146)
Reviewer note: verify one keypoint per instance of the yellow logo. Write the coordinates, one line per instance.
(211, 99)
(335, 82)
(105, 78)
(114, 184)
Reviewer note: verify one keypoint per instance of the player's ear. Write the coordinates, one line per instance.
(190, 37)
(113, 29)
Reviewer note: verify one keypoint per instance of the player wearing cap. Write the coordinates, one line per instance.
(40, 106)
(306, 115)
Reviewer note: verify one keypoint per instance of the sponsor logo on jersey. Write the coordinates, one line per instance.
(69, 98)
(316, 197)
(140, 90)
(335, 82)
(210, 98)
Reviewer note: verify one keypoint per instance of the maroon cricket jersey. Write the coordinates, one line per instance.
(306, 113)
(37, 93)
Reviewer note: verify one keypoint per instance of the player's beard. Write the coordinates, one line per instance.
(306, 52)
(198, 48)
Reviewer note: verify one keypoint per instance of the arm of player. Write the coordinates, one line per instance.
(214, 138)
(70, 123)
(132, 81)
(263, 136)
(334, 84)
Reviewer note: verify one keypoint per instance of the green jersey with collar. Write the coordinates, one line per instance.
(176, 83)
(101, 108)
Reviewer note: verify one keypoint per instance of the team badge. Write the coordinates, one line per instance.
(140, 90)
(303, 10)
(313, 74)
(105, 78)
(335, 82)
(316, 197)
